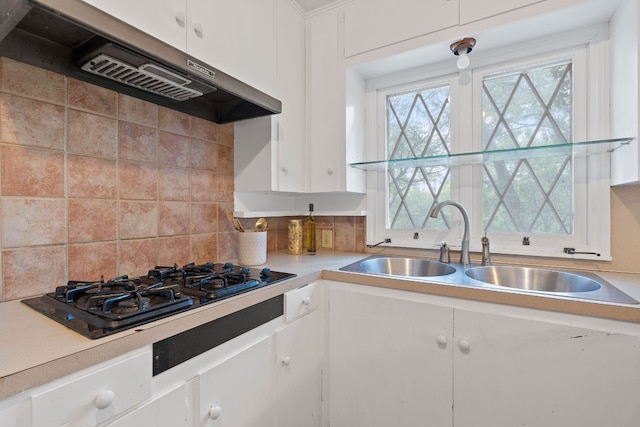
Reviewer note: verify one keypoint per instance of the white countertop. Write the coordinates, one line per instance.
(35, 350)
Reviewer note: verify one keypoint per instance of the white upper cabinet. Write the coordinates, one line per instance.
(291, 91)
(163, 19)
(372, 24)
(335, 114)
(473, 10)
(625, 161)
(269, 151)
(236, 37)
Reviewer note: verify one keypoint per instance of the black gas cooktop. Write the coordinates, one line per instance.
(99, 308)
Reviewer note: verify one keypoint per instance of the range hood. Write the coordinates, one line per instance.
(73, 38)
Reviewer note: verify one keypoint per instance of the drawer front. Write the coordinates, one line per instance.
(301, 301)
(96, 396)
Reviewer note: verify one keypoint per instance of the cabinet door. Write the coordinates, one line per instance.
(163, 19)
(168, 409)
(474, 10)
(237, 37)
(291, 91)
(326, 103)
(390, 360)
(94, 396)
(16, 414)
(269, 151)
(238, 391)
(510, 371)
(299, 354)
(372, 24)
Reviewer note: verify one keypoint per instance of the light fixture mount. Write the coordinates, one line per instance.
(467, 44)
(461, 48)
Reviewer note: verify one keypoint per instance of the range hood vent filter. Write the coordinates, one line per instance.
(148, 77)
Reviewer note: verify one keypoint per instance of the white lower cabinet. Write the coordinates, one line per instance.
(511, 371)
(237, 392)
(15, 411)
(168, 409)
(299, 355)
(95, 395)
(355, 355)
(276, 379)
(396, 358)
(389, 359)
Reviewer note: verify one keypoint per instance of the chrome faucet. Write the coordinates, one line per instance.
(445, 255)
(465, 259)
(486, 253)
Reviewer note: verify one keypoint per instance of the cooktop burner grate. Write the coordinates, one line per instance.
(98, 308)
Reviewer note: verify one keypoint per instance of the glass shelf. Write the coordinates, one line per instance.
(479, 157)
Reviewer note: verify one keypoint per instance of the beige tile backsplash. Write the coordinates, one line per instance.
(96, 183)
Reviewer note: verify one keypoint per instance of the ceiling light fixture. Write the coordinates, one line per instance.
(461, 49)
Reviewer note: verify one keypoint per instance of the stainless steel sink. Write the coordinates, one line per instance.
(409, 267)
(520, 279)
(533, 279)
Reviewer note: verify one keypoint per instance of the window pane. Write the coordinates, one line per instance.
(525, 108)
(418, 125)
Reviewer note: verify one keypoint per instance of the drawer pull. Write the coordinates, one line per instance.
(180, 19)
(442, 340)
(306, 300)
(465, 345)
(104, 399)
(198, 30)
(214, 412)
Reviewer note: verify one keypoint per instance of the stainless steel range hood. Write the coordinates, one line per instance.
(74, 38)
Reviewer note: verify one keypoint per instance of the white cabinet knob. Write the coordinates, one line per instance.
(284, 170)
(180, 20)
(329, 171)
(465, 346)
(306, 300)
(198, 30)
(286, 360)
(214, 412)
(104, 399)
(442, 340)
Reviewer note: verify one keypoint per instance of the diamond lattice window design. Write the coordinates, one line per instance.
(418, 125)
(527, 108)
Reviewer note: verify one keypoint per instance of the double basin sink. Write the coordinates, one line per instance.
(524, 279)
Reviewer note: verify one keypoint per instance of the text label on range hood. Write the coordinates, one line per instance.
(66, 35)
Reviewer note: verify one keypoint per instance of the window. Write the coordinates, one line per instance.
(551, 196)
(528, 107)
(418, 125)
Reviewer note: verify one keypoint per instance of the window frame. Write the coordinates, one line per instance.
(591, 121)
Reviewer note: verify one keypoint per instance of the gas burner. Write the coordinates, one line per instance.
(119, 297)
(101, 307)
(215, 281)
(163, 273)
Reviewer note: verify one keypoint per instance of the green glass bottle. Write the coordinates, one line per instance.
(311, 232)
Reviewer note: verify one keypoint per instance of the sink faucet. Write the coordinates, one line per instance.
(464, 253)
(486, 253)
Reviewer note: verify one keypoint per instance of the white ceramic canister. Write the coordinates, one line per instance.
(252, 248)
